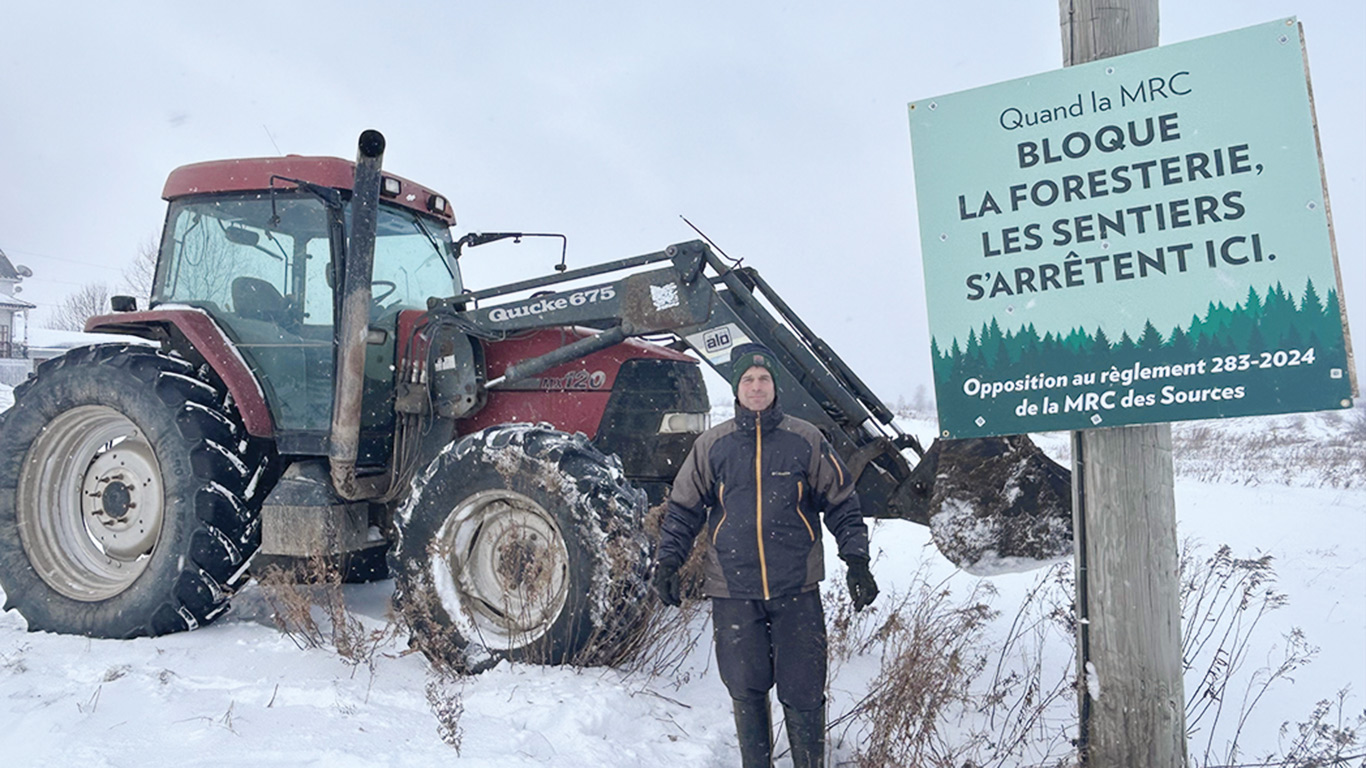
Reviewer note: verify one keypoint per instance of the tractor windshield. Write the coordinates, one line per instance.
(414, 260)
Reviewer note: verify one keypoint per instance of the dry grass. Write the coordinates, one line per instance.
(1313, 450)
(308, 605)
(1323, 450)
(1329, 737)
(949, 695)
(959, 686)
(418, 617)
(446, 700)
(1223, 600)
(663, 637)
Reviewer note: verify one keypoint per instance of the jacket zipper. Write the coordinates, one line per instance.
(721, 498)
(805, 522)
(759, 497)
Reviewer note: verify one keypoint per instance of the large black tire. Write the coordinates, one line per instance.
(129, 495)
(520, 542)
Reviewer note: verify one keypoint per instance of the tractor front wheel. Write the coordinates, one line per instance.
(520, 542)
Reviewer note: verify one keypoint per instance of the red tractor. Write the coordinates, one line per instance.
(319, 382)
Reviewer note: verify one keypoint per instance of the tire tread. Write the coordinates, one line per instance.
(225, 523)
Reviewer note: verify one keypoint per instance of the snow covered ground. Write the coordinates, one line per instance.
(240, 692)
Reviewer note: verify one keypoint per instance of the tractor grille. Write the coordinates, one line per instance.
(644, 391)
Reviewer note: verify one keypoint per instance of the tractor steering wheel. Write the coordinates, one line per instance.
(377, 298)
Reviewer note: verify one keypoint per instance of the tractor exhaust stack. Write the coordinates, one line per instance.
(353, 320)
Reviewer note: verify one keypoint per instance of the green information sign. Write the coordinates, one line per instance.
(1136, 240)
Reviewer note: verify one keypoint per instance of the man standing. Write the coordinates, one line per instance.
(758, 482)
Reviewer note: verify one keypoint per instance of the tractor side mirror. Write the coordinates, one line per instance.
(123, 303)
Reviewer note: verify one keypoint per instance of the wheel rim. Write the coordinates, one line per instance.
(90, 503)
(506, 560)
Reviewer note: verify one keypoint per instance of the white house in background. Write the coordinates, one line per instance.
(20, 354)
(10, 346)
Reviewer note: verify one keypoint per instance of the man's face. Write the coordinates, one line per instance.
(756, 390)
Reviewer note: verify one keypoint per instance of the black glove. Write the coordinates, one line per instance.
(862, 587)
(667, 584)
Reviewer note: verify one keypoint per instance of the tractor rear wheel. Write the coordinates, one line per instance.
(129, 496)
(520, 542)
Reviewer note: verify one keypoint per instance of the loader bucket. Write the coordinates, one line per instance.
(995, 505)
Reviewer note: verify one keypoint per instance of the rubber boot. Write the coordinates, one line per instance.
(754, 728)
(806, 736)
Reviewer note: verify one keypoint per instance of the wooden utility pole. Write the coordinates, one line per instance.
(1132, 701)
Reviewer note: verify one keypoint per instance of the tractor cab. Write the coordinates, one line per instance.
(260, 245)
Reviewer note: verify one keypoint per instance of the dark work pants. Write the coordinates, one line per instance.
(762, 642)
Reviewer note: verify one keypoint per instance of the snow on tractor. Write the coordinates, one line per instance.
(321, 383)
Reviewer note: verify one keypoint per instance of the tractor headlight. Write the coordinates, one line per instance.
(678, 423)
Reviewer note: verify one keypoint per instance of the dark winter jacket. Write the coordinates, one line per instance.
(759, 491)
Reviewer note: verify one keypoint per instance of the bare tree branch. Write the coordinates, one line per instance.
(70, 315)
(138, 277)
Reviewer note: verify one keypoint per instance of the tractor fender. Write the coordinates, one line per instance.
(192, 332)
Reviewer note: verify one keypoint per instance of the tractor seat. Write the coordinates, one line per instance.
(256, 299)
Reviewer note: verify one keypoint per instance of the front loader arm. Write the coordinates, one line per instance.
(989, 503)
(642, 303)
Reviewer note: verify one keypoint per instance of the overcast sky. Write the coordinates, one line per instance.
(778, 128)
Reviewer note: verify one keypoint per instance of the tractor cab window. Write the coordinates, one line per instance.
(414, 260)
(258, 267)
(242, 256)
